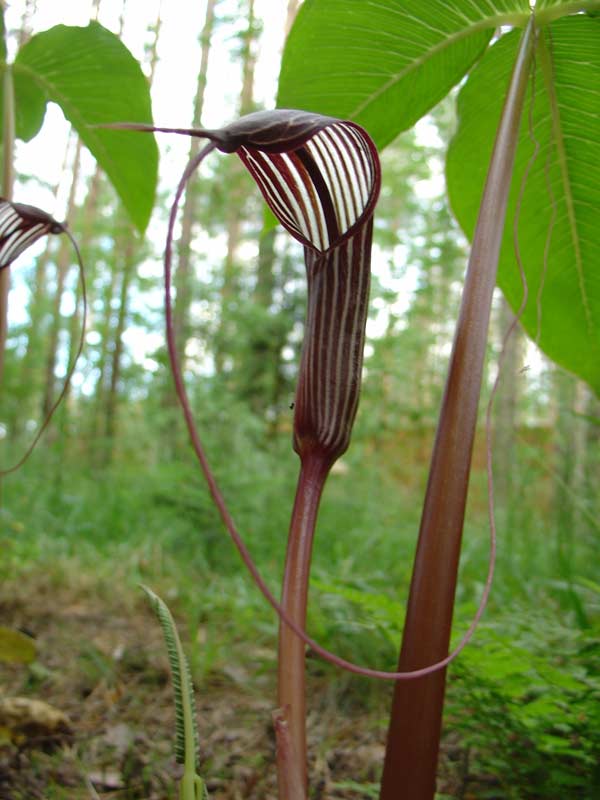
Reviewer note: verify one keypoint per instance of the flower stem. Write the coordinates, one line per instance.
(292, 681)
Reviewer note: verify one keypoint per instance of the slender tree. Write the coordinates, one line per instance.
(8, 179)
(126, 256)
(292, 10)
(127, 272)
(30, 376)
(239, 189)
(181, 312)
(507, 418)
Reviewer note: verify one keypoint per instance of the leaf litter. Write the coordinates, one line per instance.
(101, 666)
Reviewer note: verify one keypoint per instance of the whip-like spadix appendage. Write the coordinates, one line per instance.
(327, 394)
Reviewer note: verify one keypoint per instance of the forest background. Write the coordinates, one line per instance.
(112, 495)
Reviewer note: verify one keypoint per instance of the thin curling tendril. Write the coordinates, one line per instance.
(226, 517)
(70, 371)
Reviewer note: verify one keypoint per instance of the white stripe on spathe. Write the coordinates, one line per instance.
(346, 174)
(268, 189)
(313, 208)
(283, 193)
(15, 243)
(8, 219)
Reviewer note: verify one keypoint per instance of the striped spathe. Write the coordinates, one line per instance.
(20, 226)
(330, 370)
(323, 190)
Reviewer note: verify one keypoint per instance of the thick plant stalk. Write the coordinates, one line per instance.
(413, 738)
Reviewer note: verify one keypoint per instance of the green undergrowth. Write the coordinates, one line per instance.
(523, 697)
(531, 684)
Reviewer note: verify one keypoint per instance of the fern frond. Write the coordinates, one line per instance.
(185, 704)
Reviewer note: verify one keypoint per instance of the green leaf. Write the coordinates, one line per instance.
(16, 647)
(566, 123)
(94, 79)
(547, 10)
(384, 65)
(30, 106)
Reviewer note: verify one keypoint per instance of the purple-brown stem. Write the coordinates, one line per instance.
(413, 738)
(292, 783)
(292, 679)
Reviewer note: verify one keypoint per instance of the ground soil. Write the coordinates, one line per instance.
(101, 661)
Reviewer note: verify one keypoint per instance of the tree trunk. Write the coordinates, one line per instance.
(183, 277)
(104, 327)
(506, 423)
(31, 376)
(264, 336)
(570, 492)
(592, 467)
(112, 396)
(292, 10)
(63, 262)
(235, 180)
(8, 179)
(153, 55)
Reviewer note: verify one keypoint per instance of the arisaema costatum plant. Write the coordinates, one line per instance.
(321, 178)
